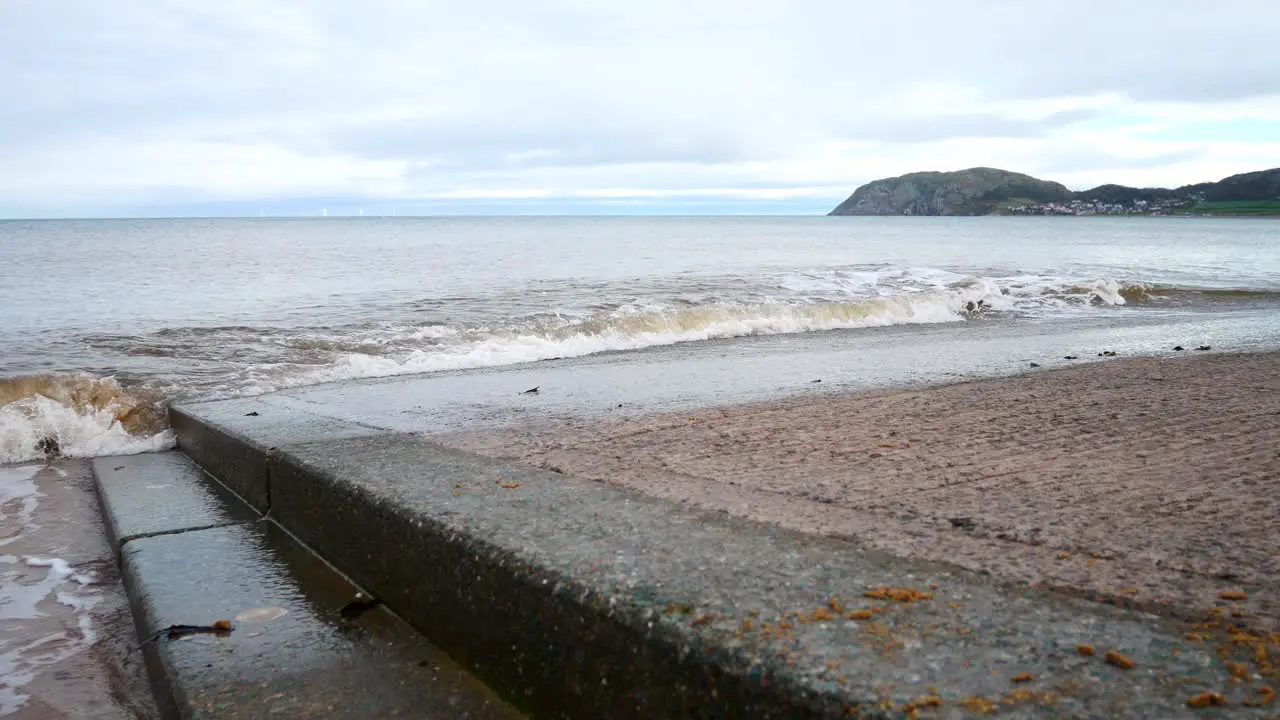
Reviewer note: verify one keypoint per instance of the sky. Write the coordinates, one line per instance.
(298, 107)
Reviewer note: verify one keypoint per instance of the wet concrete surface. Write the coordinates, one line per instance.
(596, 602)
(66, 635)
(161, 493)
(291, 654)
(194, 554)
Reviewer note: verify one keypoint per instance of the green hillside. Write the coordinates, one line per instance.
(1235, 208)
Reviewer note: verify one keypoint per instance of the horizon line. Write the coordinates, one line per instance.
(408, 217)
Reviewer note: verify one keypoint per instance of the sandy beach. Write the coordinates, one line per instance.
(1146, 482)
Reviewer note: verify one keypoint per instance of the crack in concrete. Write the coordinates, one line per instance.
(179, 531)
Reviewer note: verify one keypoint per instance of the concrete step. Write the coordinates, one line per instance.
(192, 553)
(581, 600)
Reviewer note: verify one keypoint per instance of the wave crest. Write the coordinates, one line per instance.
(635, 328)
(77, 416)
(1147, 292)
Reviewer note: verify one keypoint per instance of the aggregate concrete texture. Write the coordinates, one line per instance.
(586, 600)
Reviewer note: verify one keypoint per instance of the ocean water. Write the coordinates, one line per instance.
(103, 321)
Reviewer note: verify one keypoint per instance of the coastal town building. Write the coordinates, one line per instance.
(1097, 207)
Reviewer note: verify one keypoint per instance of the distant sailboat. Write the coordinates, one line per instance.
(324, 212)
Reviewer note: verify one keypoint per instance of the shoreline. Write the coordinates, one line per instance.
(1145, 482)
(570, 595)
(1174, 216)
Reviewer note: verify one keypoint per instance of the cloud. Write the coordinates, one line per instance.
(482, 144)
(128, 103)
(1072, 159)
(915, 129)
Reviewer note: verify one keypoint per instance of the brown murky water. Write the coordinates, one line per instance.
(67, 641)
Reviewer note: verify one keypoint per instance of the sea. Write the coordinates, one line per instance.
(104, 322)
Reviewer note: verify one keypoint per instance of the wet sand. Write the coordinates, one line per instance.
(1146, 482)
(67, 639)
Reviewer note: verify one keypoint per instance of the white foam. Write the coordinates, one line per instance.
(18, 487)
(828, 300)
(19, 664)
(1107, 292)
(89, 433)
(636, 327)
(84, 414)
(61, 569)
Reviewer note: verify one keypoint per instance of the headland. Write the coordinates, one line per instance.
(990, 191)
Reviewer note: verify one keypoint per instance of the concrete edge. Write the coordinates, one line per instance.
(166, 693)
(236, 462)
(552, 610)
(184, 688)
(309, 660)
(546, 639)
(480, 602)
(200, 503)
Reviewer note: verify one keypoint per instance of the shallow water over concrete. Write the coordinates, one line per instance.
(65, 632)
(744, 370)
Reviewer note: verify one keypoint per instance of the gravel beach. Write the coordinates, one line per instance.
(1147, 482)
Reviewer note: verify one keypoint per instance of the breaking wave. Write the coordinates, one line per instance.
(82, 415)
(76, 416)
(1148, 293)
(628, 328)
(807, 305)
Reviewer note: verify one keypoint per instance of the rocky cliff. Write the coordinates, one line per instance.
(976, 191)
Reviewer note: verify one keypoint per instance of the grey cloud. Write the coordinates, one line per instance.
(1174, 50)
(483, 145)
(527, 90)
(1176, 81)
(1064, 118)
(1078, 159)
(946, 127)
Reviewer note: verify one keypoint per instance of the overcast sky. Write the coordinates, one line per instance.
(290, 106)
